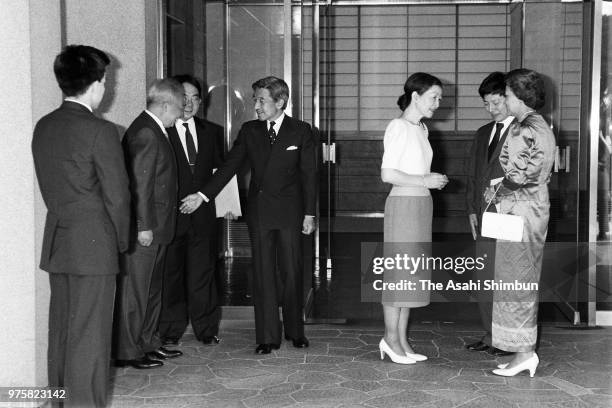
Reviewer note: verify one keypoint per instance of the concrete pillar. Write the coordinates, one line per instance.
(127, 31)
(30, 35)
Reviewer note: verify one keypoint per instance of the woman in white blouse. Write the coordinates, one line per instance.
(408, 209)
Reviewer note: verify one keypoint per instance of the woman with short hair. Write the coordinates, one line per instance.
(527, 159)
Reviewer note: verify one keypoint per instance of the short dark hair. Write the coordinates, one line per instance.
(162, 90)
(277, 87)
(189, 79)
(494, 84)
(419, 82)
(77, 67)
(528, 86)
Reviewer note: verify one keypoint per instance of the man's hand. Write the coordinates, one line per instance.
(145, 238)
(308, 226)
(191, 203)
(230, 216)
(474, 225)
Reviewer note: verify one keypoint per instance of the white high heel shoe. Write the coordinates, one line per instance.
(530, 364)
(396, 358)
(416, 356)
(503, 365)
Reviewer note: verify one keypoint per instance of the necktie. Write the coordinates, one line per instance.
(495, 141)
(272, 133)
(191, 150)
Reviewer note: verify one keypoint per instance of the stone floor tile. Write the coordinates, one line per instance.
(603, 401)
(402, 400)
(234, 363)
(586, 381)
(244, 372)
(363, 373)
(424, 372)
(195, 371)
(365, 386)
(317, 367)
(316, 333)
(457, 397)
(485, 401)
(126, 402)
(314, 377)
(332, 396)
(328, 359)
(179, 389)
(269, 401)
(256, 383)
(340, 342)
(282, 389)
(225, 394)
(130, 381)
(282, 361)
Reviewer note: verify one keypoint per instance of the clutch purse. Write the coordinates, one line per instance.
(501, 226)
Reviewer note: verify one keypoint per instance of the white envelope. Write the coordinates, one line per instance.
(228, 199)
(292, 148)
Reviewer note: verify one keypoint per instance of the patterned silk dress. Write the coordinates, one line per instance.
(527, 159)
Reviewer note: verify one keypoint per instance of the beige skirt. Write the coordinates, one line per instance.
(407, 219)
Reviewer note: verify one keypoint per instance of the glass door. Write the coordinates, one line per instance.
(364, 53)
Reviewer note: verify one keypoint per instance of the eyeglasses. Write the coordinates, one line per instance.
(192, 98)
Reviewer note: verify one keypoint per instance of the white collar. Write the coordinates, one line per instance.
(71, 99)
(507, 121)
(156, 119)
(190, 122)
(277, 123)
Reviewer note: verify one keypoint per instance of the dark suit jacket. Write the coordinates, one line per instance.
(210, 149)
(283, 176)
(151, 166)
(481, 170)
(82, 177)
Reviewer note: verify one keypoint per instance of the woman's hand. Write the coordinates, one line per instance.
(489, 193)
(435, 180)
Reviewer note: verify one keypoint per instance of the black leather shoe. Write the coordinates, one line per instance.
(170, 341)
(300, 342)
(266, 348)
(164, 353)
(498, 352)
(139, 363)
(210, 340)
(478, 346)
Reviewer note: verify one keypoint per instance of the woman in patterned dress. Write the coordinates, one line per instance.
(527, 159)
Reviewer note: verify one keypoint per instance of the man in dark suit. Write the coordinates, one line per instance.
(484, 167)
(281, 204)
(82, 178)
(190, 291)
(153, 182)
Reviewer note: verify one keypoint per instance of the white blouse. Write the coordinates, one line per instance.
(407, 149)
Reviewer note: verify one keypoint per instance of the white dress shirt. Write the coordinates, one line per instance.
(69, 99)
(506, 122)
(182, 134)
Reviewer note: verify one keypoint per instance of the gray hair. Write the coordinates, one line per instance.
(166, 90)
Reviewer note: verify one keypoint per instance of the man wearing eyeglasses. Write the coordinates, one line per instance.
(483, 167)
(190, 292)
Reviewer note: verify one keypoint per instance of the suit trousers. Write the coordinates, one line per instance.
(139, 301)
(486, 246)
(271, 289)
(80, 323)
(190, 290)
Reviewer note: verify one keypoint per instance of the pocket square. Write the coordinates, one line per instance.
(292, 148)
